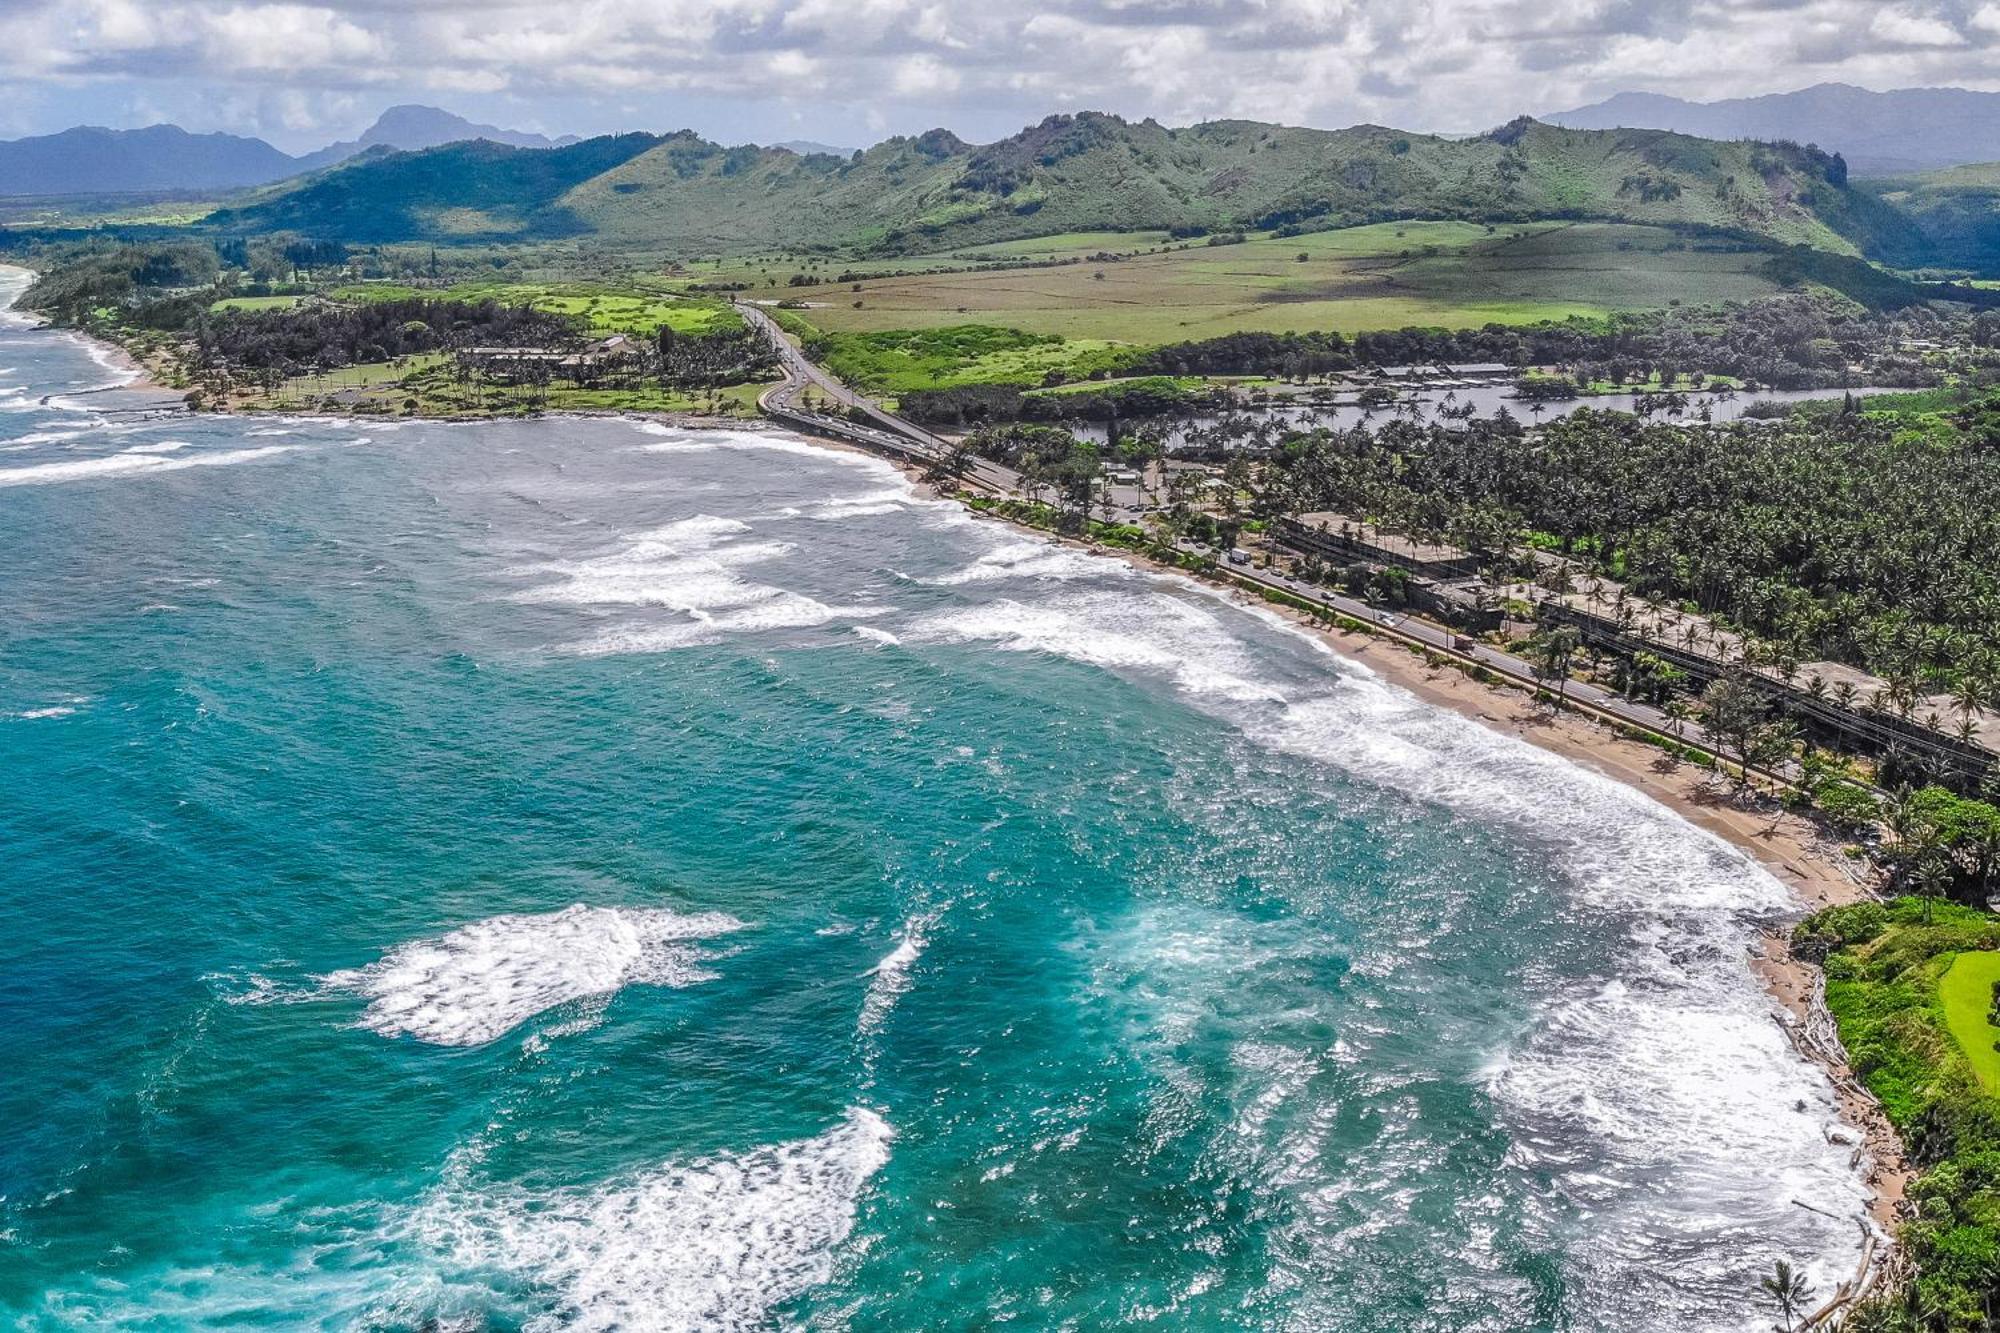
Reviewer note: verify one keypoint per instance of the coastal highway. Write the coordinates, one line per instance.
(876, 427)
(890, 433)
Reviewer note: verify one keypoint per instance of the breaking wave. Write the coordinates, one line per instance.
(716, 1243)
(481, 981)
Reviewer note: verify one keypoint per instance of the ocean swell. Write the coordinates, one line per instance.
(716, 1243)
(480, 981)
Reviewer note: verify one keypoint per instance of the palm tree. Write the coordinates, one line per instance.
(1931, 878)
(1677, 712)
(1550, 652)
(1790, 1290)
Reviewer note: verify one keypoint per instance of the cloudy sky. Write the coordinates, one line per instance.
(848, 72)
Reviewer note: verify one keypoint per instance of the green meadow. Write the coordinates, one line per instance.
(604, 308)
(1384, 276)
(896, 362)
(1967, 995)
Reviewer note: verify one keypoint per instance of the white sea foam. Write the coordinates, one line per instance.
(1674, 1078)
(735, 441)
(480, 981)
(1134, 630)
(53, 710)
(890, 978)
(875, 634)
(716, 1243)
(864, 505)
(692, 566)
(133, 462)
(1013, 557)
(109, 359)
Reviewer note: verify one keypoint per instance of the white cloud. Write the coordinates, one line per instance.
(989, 65)
(286, 37)
(923, 76)
(1900, 27)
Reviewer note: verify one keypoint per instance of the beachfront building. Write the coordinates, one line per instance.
(524, 364)
(1837, 703)
(1345, 539)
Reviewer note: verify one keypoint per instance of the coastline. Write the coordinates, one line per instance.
(1786, 845)
(113, 356)
(1791, 848)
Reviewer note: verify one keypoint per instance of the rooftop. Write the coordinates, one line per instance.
(1404, 548)
(1701, 637)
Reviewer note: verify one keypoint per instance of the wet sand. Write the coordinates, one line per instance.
(1794, 849)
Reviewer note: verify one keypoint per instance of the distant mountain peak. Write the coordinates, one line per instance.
(90, 159)
(1908, 129)
(812, 147)
(411, 126)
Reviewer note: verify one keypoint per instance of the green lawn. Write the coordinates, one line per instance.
(1967, 993)
(257, 303)
(1384, 276)
(606, 308)
(899, 361)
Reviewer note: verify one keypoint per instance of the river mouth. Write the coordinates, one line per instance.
(585, 873)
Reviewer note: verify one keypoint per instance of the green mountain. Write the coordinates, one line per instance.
(1073, 173)
(477, 189)
(1955, 214)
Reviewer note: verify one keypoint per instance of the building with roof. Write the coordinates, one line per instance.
(1341, 537)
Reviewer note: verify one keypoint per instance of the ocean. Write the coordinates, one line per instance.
(590, 874)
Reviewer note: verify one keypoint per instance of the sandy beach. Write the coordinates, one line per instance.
(1796, 851)
(1793, 849)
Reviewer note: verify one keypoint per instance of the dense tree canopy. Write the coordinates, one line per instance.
(1834, 536)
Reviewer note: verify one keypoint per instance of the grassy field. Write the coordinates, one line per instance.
(256, 303)
(897, 362)
(1165, 383)
(1077, 244)
(605, 308)
(1437, 274)
(385, 388)
(1967, 994)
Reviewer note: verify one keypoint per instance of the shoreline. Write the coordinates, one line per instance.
(113, 356)
(1789, 847)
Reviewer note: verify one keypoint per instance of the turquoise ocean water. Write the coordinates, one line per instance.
(588, 875)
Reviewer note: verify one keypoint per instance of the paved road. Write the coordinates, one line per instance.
(882, 429)
(890, 432)
(1443, 640)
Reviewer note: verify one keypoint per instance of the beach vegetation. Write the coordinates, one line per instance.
(1886, 968)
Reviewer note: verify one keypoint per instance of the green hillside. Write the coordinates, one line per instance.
(1954, 213)
(463, 191)
(1088, 172)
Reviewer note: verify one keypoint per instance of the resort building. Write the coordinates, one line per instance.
(1343, 538)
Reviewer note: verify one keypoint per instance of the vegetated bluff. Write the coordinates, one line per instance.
(1082, 172)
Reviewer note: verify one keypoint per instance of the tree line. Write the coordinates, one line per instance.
(1839, 536)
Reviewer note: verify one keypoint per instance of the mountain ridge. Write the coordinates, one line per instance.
(1081, 172)
(91, 159)
(1896, 132)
